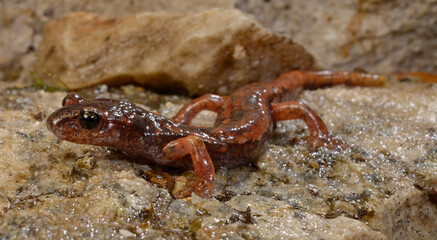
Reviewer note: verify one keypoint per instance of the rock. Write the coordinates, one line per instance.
(212, 51)
(382, 187)
(379, 36)
(289, 222)
(23, 21)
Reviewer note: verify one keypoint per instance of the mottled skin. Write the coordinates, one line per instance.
(243, 126)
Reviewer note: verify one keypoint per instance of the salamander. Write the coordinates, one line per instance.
(241, 131)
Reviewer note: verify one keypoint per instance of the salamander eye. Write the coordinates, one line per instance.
(89, 119)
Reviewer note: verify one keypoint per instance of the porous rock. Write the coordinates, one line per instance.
(380, 187)
(212, 51)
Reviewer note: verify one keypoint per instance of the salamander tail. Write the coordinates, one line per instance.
(318, 79)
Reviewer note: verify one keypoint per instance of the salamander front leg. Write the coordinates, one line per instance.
(319, 135)
(203, 166)
(210, 102)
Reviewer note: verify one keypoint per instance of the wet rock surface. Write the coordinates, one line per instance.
(215, 51)
(378, 188)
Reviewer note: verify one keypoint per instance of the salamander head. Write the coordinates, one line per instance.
(101, 122)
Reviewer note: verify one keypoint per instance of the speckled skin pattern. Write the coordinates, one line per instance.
(244, 124)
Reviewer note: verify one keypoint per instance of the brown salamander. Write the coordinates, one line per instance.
(243, 126)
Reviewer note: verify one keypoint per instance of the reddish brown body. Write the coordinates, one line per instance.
(244, 124)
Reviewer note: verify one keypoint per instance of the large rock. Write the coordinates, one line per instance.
(212, 51)
(379, 188)
(23, 21)
(379, 36)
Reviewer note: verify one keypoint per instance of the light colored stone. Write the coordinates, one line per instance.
(211, 51)
(126, 233)
(22, 23)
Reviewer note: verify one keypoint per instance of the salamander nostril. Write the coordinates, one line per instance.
(89, 119)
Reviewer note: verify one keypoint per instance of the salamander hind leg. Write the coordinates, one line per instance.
(319, 135)
(202, 163)
(210, 102)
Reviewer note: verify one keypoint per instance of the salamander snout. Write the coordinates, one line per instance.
(62, 120)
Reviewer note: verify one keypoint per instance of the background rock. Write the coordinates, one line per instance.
(215, 51)
(22, 24)
(379, 36)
